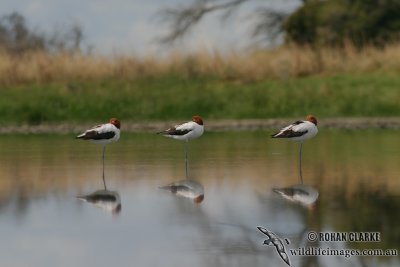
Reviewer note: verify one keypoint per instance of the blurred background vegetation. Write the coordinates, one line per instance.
(338, 58)
(335, 22)
(315, 22)
(17, 38)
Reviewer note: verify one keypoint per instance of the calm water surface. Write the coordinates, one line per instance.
(42, 223)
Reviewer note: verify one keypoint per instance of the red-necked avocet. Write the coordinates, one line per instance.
(185, 132)
(299, 131)
(103, 134)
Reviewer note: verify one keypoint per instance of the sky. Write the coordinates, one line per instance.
(122, 27)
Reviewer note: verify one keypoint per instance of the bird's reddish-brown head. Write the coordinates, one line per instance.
(197, 119)
(115, 122)
(199, 199)
(312, 119)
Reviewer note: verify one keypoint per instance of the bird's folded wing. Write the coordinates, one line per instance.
(296, 129)
(96, 135)
(179, 129)
(174, 131)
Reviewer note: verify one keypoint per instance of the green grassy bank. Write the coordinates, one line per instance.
(171, 97)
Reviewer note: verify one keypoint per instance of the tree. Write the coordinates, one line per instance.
(331, 23)
(16, 37)
(182, 18)
(315, 22)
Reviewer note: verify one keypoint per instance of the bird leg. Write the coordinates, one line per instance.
(104, 180)
(186, 160)
(300, 172)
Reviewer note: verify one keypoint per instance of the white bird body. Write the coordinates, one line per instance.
(102, 134)
(186, 131)
(298, 131)
(195, 131)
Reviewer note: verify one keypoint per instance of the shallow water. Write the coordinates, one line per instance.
(42, 223)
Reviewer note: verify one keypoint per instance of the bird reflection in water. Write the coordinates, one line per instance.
(302, 194)
(186, 188)
(109, 201)
(105, 199)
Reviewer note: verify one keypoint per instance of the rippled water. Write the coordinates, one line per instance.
(354, 175)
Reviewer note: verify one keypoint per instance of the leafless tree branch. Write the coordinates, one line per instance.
(269, 24)
(182, 18)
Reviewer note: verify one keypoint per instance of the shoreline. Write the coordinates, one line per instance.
(211, 125)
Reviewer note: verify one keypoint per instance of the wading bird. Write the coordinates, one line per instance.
(103, 134)
(185, 132)
(299, 131)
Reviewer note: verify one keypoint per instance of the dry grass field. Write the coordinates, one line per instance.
(280, 63)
